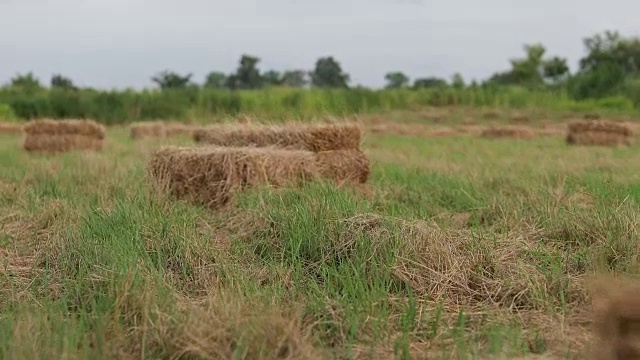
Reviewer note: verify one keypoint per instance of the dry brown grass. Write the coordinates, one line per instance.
(317, 137)
(10, 128)
(515, 132)
(210, 175)
(63, 135)
(599, 132)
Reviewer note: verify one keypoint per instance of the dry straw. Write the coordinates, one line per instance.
(616, 319)
(158, 129)
(210, 175)
(515, 132)
(63, 135)
(311, 137)
(65, 127)
(599, 132)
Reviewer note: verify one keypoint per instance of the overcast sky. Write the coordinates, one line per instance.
(121, 43)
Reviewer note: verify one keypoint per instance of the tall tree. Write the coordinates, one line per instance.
(60, 82)
(26, 82)
(396, 80)
(272, 78)
(294, 78)
(171, 80)
(215, 80)
(247, 75)
(457, 81)
(430, 82)
(328, 74)
(555, 69)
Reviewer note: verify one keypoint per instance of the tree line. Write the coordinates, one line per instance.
(607, 76)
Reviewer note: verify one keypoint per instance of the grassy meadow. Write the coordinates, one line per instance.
(458, 247)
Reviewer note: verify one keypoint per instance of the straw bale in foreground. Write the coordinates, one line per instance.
(515, 132)
(10, 128)
(61, 143)
(599, 132)
(316, 137)
(88, 128)
(210, 175)
(617, 321)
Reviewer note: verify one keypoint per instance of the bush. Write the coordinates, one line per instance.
(7, 114)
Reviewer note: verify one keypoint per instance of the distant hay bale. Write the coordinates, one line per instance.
(142, 130)
(599, 133)
(515, 132)
(61, 143)
(316, 137)
(63, 135)
(211, 175)
(10, 128)
(177, 129)
(65, 127)
(158, 129)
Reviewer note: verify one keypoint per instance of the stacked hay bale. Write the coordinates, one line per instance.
(234, 157)
(298, 137)
(514, 132)
(63, 135)
(599, 132)
(616, 321)
(158, 129)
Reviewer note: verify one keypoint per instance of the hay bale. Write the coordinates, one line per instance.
(142, 130)
(61, 143)
(88, 128)
(617, 321)
(47, 135)
(177, 129)
(599, 133)
(211, 175)
(516, 132)
(10, 128)
(294, 137)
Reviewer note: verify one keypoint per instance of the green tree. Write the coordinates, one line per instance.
(60, 82)
(328, 74)
(294, 78)
(396, 80)
(555, 69)
(171, 80)
(272, 78)
(457, 81)
(25, 82)
(430, 82)
(215, 80)
(247, 75)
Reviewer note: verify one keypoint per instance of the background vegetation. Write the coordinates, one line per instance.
(606, 78)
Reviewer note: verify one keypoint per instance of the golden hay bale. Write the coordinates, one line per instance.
(516, 132)
(616, 309)
(210, 175)
(10, 128)
(88, 128)
(177, 129)
(141, 130)
(61, 143)
(600, 126)
(315, 137)
(599, 132)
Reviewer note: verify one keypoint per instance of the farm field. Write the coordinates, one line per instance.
(458, 246)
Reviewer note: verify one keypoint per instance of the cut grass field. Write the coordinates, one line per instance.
(458, 247)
